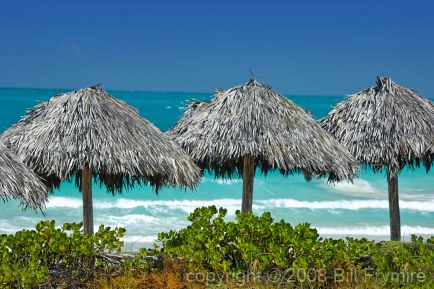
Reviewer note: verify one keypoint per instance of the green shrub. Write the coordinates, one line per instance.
(257, 244)
(56, 256)
(282, 255)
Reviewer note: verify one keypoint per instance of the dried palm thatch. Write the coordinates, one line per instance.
(17, 181)
(252, 124)
(88, 132)
(386, 126)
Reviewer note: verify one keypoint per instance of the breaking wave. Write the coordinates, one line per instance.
(234, 204)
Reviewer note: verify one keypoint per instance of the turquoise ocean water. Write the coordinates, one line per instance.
(359, 209)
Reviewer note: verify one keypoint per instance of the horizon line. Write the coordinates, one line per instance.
(162, 91)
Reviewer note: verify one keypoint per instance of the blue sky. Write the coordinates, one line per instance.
(299, 47)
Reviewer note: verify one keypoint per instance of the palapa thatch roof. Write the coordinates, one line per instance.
(89, 126)
(385, 125)
(252, 119)
(17, 181)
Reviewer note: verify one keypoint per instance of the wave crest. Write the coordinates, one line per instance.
(234, 204)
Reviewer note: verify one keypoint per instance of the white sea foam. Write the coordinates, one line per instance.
(234, 204)
(228, 182)
(6, 227)
(140, 239)
(419, 197)
(358, 188)
(426, 206)
(358, 185)
(365, 189)
(373, 230)
(183, 205)
(64, 202)
(126, 220)
(155, 205)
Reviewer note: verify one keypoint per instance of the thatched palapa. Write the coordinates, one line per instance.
(88, 133)
(252, 126)
(17, 181)
(386, 126)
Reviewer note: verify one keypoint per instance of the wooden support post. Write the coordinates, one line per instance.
(395, 220)
(248, 176)
(86, 190)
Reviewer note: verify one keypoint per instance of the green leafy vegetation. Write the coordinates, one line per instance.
(258, 246)
(251, 251)
(56, 256)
